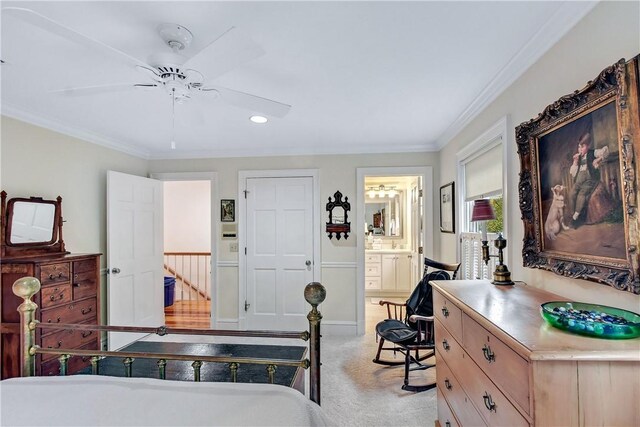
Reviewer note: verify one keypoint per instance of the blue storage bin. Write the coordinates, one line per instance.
(169, 290)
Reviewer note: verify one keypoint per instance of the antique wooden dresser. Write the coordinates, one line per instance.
(70, 290)
(500, 363)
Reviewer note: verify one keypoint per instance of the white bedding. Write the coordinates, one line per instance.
(107, 401)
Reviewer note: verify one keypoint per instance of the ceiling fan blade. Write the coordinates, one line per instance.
(250, 102)
(41, 21)
(232, 49)
(92, 90)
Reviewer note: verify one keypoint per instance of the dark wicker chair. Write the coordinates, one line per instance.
(409, 326)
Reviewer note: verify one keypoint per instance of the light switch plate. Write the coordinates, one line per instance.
(233, 247)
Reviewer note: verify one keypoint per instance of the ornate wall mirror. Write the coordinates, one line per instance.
(31, 226)
(338, 223)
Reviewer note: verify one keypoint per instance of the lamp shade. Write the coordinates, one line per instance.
(482, 210)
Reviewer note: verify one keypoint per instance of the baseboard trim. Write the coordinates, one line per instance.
(337, 327)
(227, 324)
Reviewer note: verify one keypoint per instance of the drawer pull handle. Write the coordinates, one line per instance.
(51, 277)
(76, 285)
(87, 310)
(447, 384)
(86, 334)
(60, 274)
(445, 312)
(445, 345)
(447, 424)
(50, 321)
(488, 402)
(60, 296)
(488, 354)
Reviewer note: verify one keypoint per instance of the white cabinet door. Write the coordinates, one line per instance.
(403, 273)
(388, 272)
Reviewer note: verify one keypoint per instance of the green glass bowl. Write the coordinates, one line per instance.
(599, 321)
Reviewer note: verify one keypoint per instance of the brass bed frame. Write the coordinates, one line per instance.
(27, 287)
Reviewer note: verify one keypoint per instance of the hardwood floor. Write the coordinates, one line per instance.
(188, 314)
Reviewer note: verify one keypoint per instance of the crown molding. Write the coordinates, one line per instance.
(559, 24)
(316, 150)
(56, 126)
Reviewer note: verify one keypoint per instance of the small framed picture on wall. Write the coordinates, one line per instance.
(447, 208)
(227, 210)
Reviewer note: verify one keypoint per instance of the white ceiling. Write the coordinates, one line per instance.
(360, 76)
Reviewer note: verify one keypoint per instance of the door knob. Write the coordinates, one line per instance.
(115, 270)
(308, 263)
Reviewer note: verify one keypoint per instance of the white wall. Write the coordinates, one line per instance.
(187, 216)
(610, 32)
(338, 256)
(43, 163)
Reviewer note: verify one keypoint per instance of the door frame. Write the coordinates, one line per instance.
(243, 175)
(426, 172)
(215, 219)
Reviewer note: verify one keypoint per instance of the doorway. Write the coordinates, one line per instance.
(189, 249)
(397, 232)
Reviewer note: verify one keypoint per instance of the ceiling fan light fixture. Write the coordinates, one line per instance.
(258, 119)
(176, 36)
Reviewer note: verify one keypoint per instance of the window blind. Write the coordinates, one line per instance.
(483, 174)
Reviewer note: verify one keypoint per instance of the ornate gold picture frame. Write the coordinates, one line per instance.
(578, 184)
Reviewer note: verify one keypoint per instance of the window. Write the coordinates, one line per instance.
(481, 170)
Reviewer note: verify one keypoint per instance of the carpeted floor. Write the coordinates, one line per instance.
(354, 390)
(357, 392)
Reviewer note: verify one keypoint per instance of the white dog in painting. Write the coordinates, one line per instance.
(555, 217)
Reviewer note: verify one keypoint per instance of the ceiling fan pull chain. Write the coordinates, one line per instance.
(173, 119)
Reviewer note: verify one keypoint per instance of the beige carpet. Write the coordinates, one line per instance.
(358, 392)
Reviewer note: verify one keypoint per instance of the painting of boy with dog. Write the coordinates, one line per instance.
(581, 199)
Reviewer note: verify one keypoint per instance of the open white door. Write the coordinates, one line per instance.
(280, 251)
(416, 232)
(134, 254)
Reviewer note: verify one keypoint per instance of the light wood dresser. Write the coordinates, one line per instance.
(500, 364)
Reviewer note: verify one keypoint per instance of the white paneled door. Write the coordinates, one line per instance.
(134, 254)
(279, 260)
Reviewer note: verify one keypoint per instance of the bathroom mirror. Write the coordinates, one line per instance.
(31, 226)
(384, 216)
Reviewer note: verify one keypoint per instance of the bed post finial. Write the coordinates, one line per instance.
(315, 294)
(26, 288)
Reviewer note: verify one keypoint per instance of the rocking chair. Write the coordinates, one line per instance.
(409, 326)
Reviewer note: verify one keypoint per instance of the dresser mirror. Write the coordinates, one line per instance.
(31, 226)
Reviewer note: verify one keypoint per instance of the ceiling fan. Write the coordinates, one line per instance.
(181, 77)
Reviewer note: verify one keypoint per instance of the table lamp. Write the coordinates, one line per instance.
(483, 212)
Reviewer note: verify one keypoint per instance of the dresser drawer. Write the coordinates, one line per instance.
(374, 258)
(445, 416)
(55, 295)
(68, 339)
(372, 270)
(74, 364)
(55, 273)
(372, 283)
(492, 405)
(448, 314)
(84, 284)
(447, 346)
(75, 312)
(503, 365)
(451, 389)
(84, 266)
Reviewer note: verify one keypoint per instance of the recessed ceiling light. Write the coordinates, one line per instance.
(258, 119)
